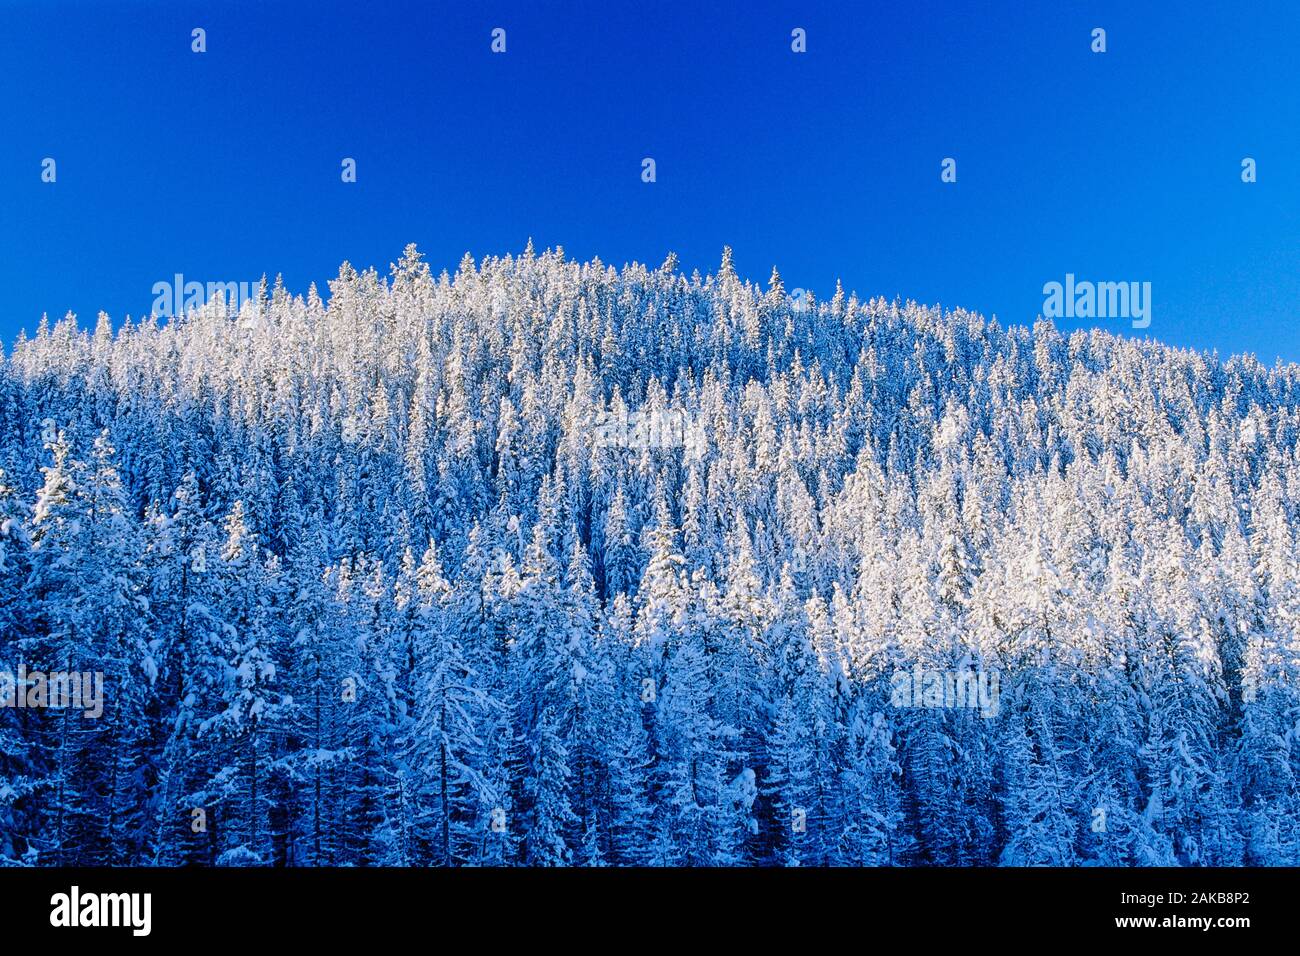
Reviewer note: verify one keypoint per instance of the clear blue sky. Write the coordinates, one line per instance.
(225, 165)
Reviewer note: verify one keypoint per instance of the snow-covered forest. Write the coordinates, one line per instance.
(546, 563)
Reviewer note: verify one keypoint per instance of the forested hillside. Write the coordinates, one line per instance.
(551, 563)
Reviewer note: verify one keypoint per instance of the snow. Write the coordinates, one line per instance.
(649, 652)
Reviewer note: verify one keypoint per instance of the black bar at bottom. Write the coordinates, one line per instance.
(634, 907)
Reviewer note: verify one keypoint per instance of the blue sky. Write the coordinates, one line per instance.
(1122, 166)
